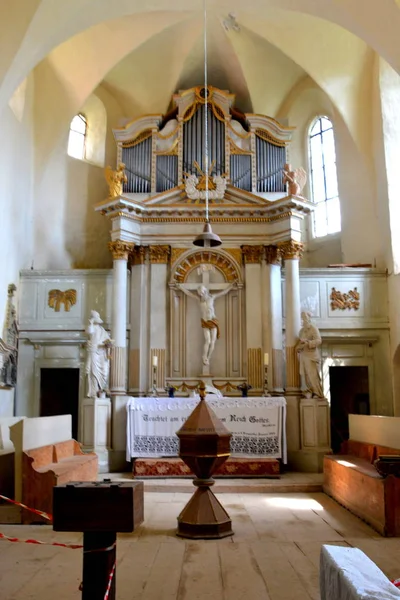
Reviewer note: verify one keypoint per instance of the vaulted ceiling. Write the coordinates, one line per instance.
(142, 55)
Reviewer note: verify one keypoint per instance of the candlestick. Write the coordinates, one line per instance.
(266, 359)
(155, 361)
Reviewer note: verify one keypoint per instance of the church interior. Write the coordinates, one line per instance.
(200, 276)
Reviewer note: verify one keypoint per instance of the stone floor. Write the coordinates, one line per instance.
(274, 553)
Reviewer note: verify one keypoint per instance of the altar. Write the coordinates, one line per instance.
(258, 425)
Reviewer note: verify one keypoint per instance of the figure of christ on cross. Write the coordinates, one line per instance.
(209, 322)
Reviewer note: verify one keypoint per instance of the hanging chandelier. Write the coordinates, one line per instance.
(207, 239)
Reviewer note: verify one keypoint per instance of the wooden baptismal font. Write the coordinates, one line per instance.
(204, 446)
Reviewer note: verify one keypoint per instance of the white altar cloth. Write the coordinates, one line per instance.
(258, 425)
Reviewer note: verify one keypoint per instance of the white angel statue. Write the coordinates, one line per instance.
(296, 179)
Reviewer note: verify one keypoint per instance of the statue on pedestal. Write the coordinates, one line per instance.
(209, 322)
(98, 356)
(9, 345)
(307, 348)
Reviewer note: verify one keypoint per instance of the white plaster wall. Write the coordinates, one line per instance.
(68, 232)
(356, 181)
(16, 193)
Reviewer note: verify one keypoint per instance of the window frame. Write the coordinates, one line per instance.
(82, 116)
(326, 199)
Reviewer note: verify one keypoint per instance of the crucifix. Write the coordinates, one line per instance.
(206, 293)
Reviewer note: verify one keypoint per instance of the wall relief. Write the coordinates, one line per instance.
(343, 300)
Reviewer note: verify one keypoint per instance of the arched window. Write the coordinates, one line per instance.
(324, 185)
(77, 136)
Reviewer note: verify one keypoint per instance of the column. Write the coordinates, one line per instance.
(139, 336)
(120, 251)
(255, 368)
(159, 259)
(291, 253)
(274, 320)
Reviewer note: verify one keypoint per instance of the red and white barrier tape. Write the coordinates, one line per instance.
(34, 510)
(71, 546)
(110, 578)
(395, 582)
(13, 539)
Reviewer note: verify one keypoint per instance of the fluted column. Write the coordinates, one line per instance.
(274, 304)
(120, 251)
(140, 322)
(291, 253)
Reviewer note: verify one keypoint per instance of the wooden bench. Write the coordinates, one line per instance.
(47, 456)
(352, 480)
(49, 466)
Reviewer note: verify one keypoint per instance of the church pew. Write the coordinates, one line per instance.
(352, 479)
(46, 456)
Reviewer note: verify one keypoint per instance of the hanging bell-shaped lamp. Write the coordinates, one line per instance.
(207, 239)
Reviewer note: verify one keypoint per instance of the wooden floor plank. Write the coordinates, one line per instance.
(200, 576)
(134, 568)
(165, 574)
(306, 571)
(282, 581)
(241, 575)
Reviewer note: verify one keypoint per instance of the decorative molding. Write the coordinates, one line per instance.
(120, 250)
(291, 250)
(219, 260)
(255, 368)
(252, 254)
(159, 254)
(176, 253)
(138, 255)
(273, 255)
(57, 297)
(236, 253)
(226, 386)
(343, 300)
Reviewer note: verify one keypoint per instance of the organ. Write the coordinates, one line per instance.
(161, 151)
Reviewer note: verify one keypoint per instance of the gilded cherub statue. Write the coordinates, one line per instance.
(296, 179)
(115, 180)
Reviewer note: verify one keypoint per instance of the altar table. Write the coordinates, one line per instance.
(258, 425)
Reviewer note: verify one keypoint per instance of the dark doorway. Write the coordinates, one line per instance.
(349, 395)
(59, 394)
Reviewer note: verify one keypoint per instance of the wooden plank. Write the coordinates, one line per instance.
(306, 571)
(241, 574)
(341, 519)
(134, 568)
(200, 576)
(165, 574)
(282, 581)
(313, 549)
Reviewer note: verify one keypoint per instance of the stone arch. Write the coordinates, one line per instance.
(221, 260)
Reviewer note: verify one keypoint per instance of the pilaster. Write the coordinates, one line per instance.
(159, 256)
(252, 260)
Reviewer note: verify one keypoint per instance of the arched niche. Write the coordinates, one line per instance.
(216, 269)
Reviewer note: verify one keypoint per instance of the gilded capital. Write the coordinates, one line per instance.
(291, 250)
(272, 255)
(120, 250)
(252, 254)
(138, 255)
(159, 254)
